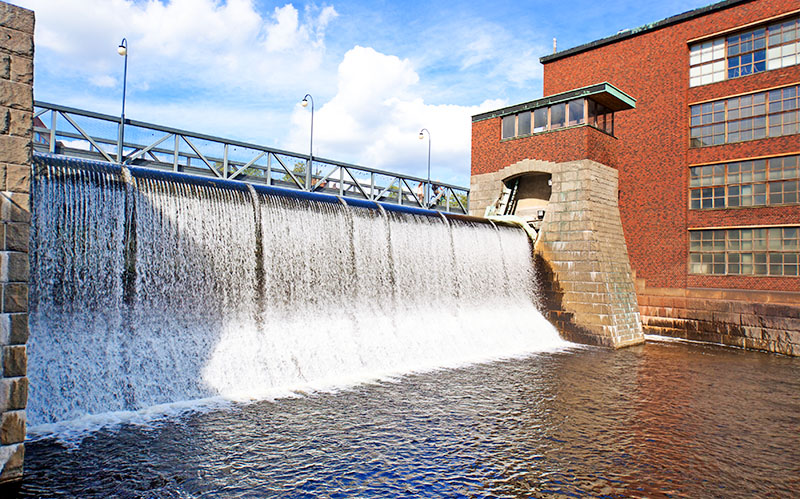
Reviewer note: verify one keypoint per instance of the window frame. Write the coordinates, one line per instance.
(765, 251)
(720, 58)
(754, 114)
(757, 180)
(584, 119)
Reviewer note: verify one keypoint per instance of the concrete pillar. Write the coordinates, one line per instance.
(16, 143)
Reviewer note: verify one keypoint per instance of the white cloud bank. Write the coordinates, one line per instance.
(225, 68)
(191, 42)
(376, 117)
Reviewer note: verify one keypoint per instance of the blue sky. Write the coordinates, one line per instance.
(378, 71)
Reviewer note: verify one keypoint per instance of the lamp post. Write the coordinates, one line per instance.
(123, 51)
(428, 184)
(311, 146)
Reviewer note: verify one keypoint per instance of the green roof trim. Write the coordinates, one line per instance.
(604, 93)
(629, 33)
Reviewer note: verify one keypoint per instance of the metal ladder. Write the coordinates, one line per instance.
(508, 201)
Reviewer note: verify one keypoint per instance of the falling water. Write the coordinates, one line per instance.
(150, 288)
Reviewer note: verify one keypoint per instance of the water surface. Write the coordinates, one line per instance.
(661, 420)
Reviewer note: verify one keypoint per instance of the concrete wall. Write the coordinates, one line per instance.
(16, 142)
(581, 256)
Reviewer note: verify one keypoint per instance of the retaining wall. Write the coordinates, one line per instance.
(757, 320)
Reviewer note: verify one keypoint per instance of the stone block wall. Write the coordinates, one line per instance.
(582, 260)
(756, 320)
(16, 142)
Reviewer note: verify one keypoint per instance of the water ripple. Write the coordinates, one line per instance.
(664, 420)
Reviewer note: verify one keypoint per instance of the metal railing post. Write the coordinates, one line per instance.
(53, 117)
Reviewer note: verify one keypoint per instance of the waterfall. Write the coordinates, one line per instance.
(150, 288)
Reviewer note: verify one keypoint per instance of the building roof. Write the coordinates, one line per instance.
(604, 93)
(629, 33)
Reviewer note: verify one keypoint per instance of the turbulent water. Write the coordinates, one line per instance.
(661, 420)
(148, 289)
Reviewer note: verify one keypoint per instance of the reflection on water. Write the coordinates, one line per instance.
(661, 420)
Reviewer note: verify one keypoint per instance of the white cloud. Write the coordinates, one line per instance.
(375, 118)
(103, 81)
(202, 43)
(232, 70)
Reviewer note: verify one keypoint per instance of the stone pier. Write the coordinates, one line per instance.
(581, 256)
(16, 142)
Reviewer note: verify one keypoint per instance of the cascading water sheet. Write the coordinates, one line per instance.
(149, 290)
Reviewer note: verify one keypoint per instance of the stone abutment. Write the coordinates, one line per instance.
(16, 142)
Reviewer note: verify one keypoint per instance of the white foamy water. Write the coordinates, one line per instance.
(151, 292)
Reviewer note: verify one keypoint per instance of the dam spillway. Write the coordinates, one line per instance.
(150, 288)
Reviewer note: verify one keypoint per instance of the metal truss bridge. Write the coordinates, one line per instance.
(85, 134)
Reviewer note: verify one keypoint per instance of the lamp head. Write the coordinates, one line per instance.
(304, 102)
(123, 47)
(421, 135)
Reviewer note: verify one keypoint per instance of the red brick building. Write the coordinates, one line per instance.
(708, 163)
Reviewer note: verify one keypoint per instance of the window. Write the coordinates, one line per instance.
(556, 116)
(744, 53)
(708, 124)
(747, 117)
(524, 123)
(576, 112)
(758, 182)
(747, 53)
(773, 251)
(784, 44)
(707, 61)
(601, 117)
(509, 126)
(707, 252)
(540, 119)
(783, 111)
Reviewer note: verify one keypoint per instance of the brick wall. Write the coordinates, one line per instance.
(16, 140)
(654, 153)
(490, 154)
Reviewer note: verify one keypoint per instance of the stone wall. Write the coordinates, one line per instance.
(756, 320)
(582, 260)
(16, 141)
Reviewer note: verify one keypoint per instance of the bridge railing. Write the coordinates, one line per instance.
(78, 133)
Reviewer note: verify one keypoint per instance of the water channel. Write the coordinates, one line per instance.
(659, 420)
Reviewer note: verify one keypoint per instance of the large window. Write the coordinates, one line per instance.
(783, 44)
(747, 53)
(764, 251)
(707, 62)
(747, 117)
(557, 116)
(767, 47)
(760, 182)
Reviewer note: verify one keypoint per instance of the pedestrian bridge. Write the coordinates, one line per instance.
(89, 135)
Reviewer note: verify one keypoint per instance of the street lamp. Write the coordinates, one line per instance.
(123, 51)
(310, 147)
(428, 184)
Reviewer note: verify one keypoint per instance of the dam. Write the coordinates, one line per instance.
(150, 288)
(168, 331)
